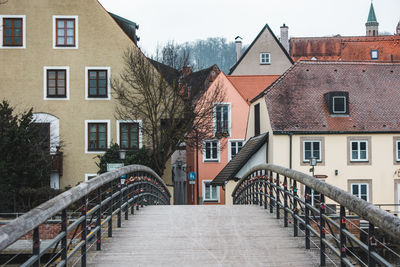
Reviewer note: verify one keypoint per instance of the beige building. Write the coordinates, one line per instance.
(266, 55)
(59, 58)
(346, 114)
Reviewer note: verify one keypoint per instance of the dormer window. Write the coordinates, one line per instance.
(337, 103)
(374, 54)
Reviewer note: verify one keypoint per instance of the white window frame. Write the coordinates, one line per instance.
(312, 151)
(129, 121)
(359, 149)
(359, 190)
(87, 175)
(218, 151)
(230, 147)
(54, 129)
(55, 35)
(108, 69)
(23, 17)
(372, 54)
(261, 58)
(397, 150)
(45, 68)
(333, 104)
(87, 137)
(215, 116)
(204, 192)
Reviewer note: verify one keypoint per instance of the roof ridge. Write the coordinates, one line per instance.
(335, 62)
(255, 75)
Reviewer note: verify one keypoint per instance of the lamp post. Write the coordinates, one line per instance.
(313, 163)
(122, 154)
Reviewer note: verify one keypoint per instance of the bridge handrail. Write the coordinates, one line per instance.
(380, 218)
(35, 217)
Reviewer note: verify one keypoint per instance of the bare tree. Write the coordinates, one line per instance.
(158, 95)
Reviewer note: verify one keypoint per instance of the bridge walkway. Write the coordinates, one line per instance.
(202, 236)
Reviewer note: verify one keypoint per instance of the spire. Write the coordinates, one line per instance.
(371, 15)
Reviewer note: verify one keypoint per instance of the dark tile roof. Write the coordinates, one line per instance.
(129, 27)
(296, 101)
(199, 81)
(266, 27)
(170, 74)
(234, 166)
(355, 48)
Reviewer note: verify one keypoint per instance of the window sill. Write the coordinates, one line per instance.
(211, 201)
(359, 161)
(265, 63)
(211, 161)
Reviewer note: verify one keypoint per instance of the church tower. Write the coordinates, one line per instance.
(372, 25)
(398, 29)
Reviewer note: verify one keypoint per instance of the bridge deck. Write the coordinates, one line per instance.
(201, 236)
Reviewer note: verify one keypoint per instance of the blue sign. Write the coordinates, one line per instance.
(192, 176)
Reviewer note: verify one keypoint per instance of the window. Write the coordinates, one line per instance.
(374, 54)
(360, 190)
(312, 149)
(221, 119)
(89, 176)
(235, 146)
(339, 104)
(359, 150)
(210, 192)
(97, 83)
(265, 58)
(129, 135)
(12, 31)
(56, 83)
(65, 32)
(97, 135)
(397, 150)
(257, 119)
(211, 151)
(44, 135)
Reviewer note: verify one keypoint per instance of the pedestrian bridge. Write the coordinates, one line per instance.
(280, 218)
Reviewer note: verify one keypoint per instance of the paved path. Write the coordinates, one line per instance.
(201, 236)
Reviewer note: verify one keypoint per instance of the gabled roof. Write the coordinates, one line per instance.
(296, 102)
(249, 86)
(266, 27)
(350, 48)
(241, 158)
(129, 27)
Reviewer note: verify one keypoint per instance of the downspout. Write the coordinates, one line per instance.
(290, 150)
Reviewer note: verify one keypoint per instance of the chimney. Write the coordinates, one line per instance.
(238, 43)
(285, 37)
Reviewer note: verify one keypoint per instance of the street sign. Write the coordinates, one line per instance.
(192, 176)
(192, 182)
(114, 166)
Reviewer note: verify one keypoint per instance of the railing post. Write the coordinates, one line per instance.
(64, 240)
(84, 231)
(132, 197)
(271, 193)
(277, 198)
(307, 216)
(110, 210)
(342, 221)
(285, 203)
(371, 244)
(265, 191)
(98, 222)
(322, 230)
(119, 203)
(142, 191)
(36, 246)
(126, 199)
(295, 210)
(260, 190)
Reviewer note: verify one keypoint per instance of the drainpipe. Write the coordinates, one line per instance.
(290, 150)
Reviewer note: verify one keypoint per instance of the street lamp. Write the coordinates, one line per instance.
(313, 163)
(122, 154)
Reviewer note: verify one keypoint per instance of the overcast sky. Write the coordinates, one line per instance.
(189, 20)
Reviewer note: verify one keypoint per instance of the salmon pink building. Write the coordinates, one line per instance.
(228, 131)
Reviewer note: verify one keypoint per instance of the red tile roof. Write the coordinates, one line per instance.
(345, 48)
(249, 86)
(296, 101)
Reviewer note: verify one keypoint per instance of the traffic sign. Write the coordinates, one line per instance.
(192, 176)
(114, 166)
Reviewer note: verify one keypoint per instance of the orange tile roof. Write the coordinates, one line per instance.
(249, 86)
(355, 48)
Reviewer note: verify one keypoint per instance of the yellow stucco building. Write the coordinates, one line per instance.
(59, 57)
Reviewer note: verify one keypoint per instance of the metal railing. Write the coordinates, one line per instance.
(97, 201)
(359, 234)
